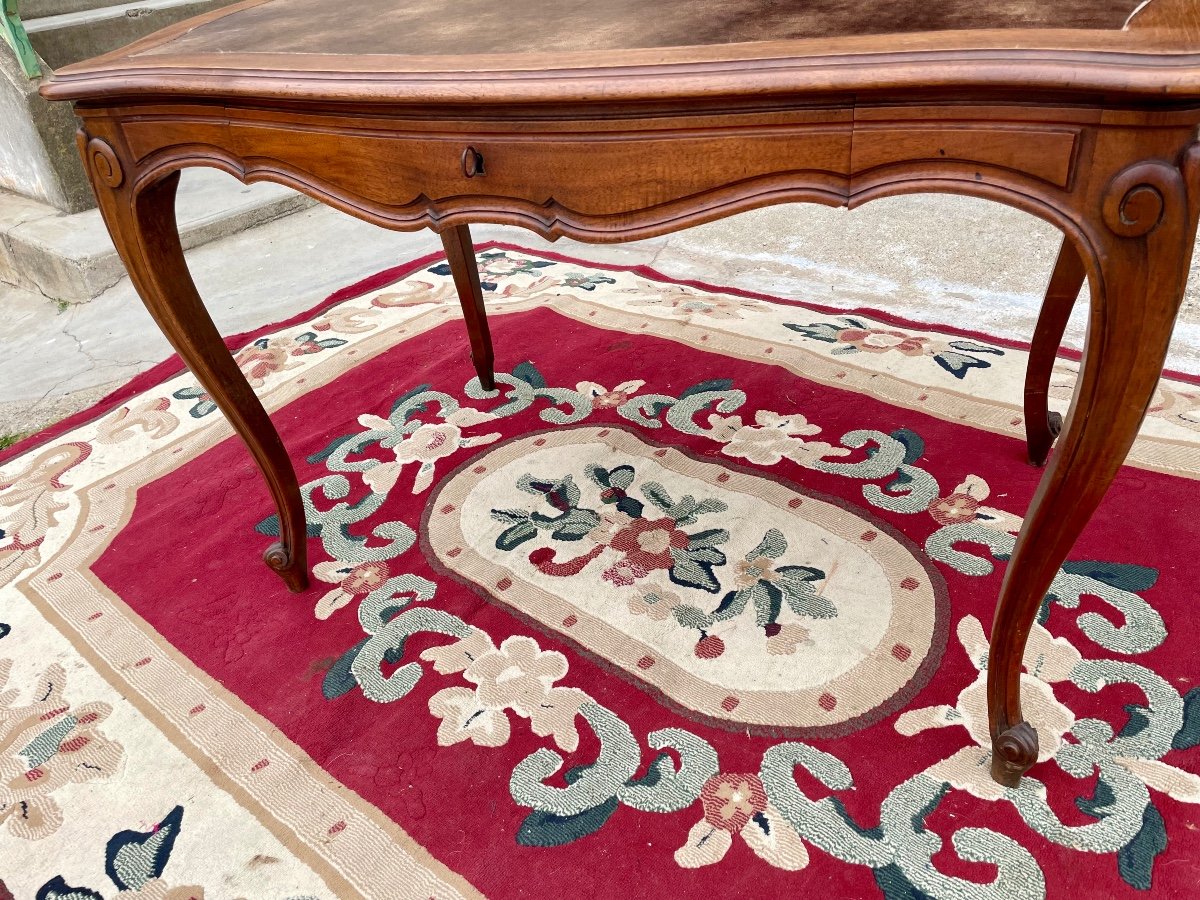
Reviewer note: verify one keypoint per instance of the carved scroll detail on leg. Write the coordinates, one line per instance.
(1134, 203)
(103, 161)
(1141, 265)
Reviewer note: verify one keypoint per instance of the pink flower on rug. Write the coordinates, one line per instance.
(965, 504)
(730, 800)
(351, 580)
(737, 804)
(880, 340)
(45, 746)
(603, 398)
(647, 545)
(262, 359)
(953, 509)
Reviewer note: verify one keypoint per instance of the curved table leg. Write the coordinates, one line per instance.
(1139, 277)
(143, 227)
(1041, 425)
(460, 253)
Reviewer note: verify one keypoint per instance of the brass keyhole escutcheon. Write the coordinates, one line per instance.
(472, 162)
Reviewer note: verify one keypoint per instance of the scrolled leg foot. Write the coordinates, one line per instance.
(1014, 751)
(293, 571)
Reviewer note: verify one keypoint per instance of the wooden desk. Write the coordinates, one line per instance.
(597, 120)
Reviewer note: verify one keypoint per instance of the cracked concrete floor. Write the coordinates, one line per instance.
(931, 258)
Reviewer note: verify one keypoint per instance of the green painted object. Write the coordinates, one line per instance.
(14, 33)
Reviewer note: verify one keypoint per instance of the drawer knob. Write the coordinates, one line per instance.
(472, 162)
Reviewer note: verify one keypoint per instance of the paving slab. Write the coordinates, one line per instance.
(69, 32)
(71, 258)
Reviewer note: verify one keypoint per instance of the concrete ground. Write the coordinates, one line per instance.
(931, 258)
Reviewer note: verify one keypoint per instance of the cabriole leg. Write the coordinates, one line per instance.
(1041, 425)
(142, 224)
(1142, 251)
(460, 253)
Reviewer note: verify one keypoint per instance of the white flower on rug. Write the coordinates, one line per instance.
(603, 398)
(518, 676)
(737, 804)
(965, 504)
(264, 358)
(789, 636)
(351, 580)
(425, 446)
(771, 439)
(32, 501)
(448, 659)
(1051, 659)
(612, 522)
(465, 718)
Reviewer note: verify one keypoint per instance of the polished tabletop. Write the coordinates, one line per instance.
(517, 51)
(436, 27)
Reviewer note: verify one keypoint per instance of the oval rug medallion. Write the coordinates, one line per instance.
(738, 600)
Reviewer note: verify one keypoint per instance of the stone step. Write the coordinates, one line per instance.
(67, 31)
(71, 258)
(37, 9)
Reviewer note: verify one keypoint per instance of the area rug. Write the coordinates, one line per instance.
(695, 604)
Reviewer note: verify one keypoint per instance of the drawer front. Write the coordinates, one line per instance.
(1045, 153)
(596, 175)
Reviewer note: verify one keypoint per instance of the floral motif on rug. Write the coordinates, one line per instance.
(698, 597)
